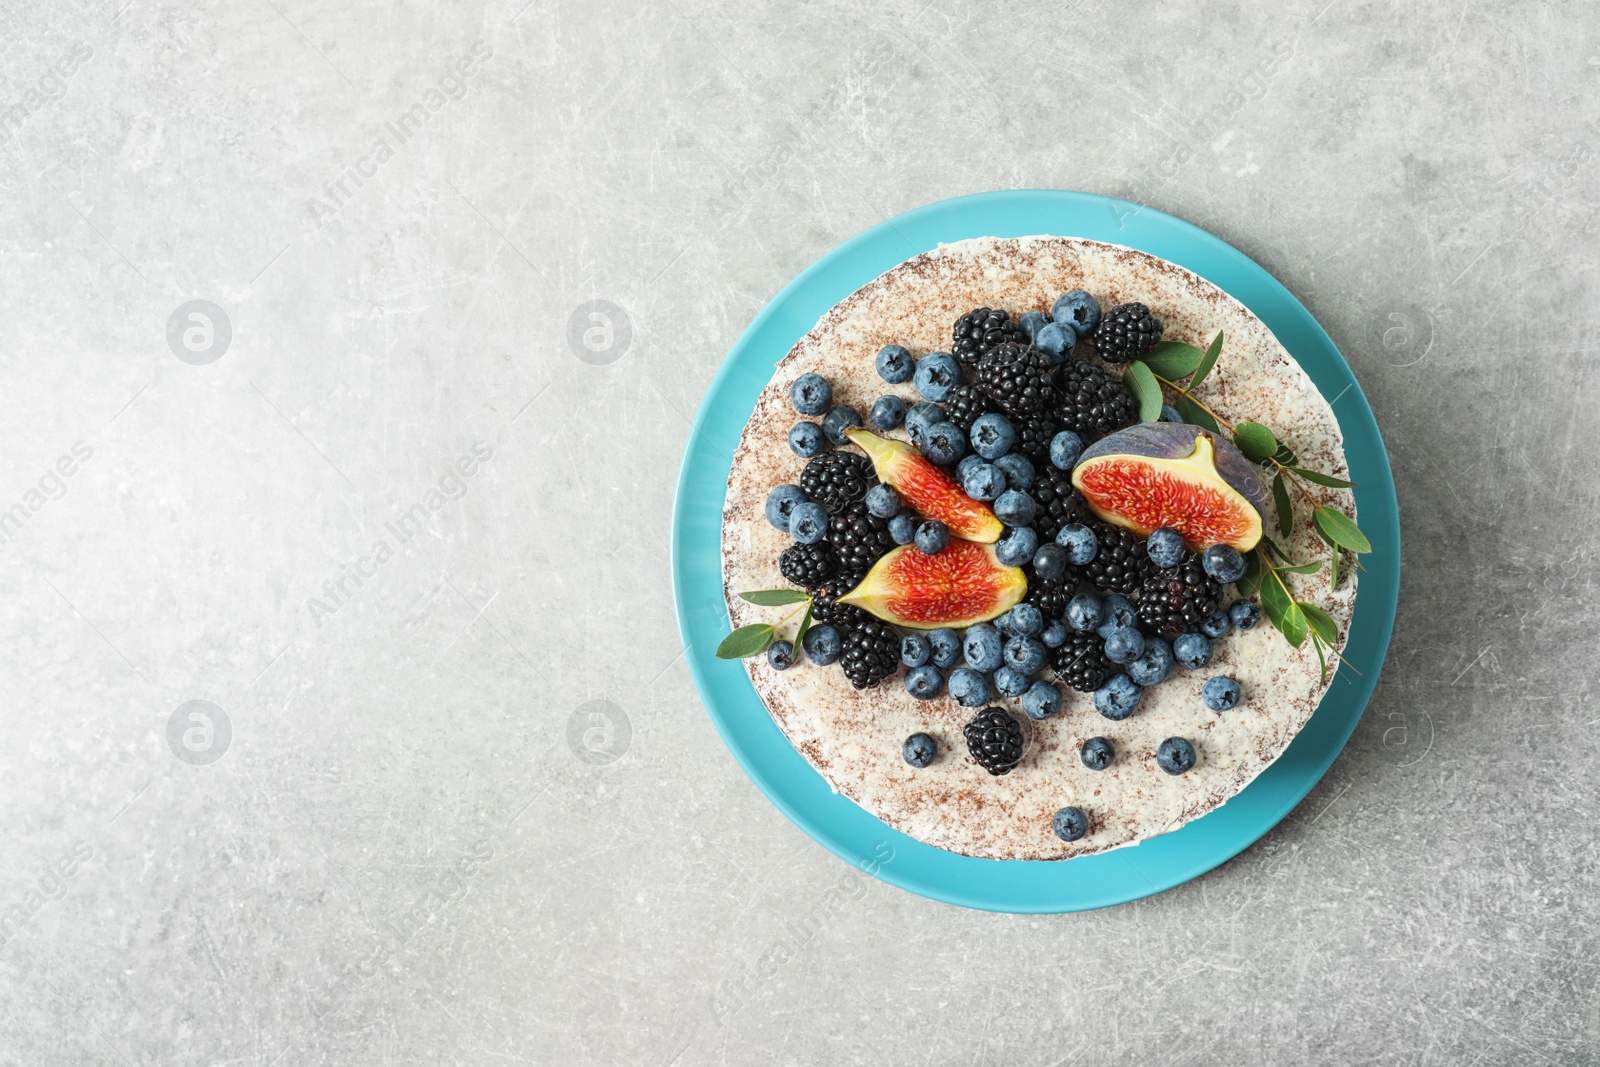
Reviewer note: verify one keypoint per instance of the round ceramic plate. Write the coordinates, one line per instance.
(784, 775)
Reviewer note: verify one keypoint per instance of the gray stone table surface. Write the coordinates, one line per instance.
(451, 796)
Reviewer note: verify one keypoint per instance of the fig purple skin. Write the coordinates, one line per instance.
(1175, 440)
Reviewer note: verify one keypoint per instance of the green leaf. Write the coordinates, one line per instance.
(1322, 623)
(772, 598)
(1284, 456)
(1303, 568)
(1280, 498)
(1323, 479)
(1322, 659)
(1208, 361)
(1340, 529)
(1251, 581)
(800, 634)
(1282, 610)
(1255, 441)
(1195, 414)
(1174, 359)
(1333, 566)
(746, 641)
(1145, 389)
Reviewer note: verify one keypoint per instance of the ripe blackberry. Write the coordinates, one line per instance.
(825, 609)
(835, 479)
(1126, 332)
(1176, 600)
(808, 566)
(1090, 402)
(1056, 502)
(994, 740)
(964, 404)
(1016, 377)
(1050, 597)
(871, 654)
(980, 330)
(1121, 562)
(1081, 661)
(1033, 438)
(859, 538)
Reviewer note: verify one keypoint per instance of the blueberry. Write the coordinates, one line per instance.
(1024, 620)
(1192, 651)
(781, 503)
(920, 417)
(1175, 755)
(883, 501)
(888, 413)
(823, 644)
(1216, 624)
(1097, 753)
(806, 440)
(1223, 563)
(1124, 646)
(1014, 508)
(943, 443)
(1041, 700)
(1165, 547)
(1220, 693)
(809, 523)
(1054, 635)
(982, 481)
(1056, 341)
(1010, 683)
(1152, 666)
(1085, 612)
(936, 374)
(946, 647)
(903, 527)
(919, 749)
(1244, 614)
(924, 682)
(1070, 824)
(914, 650)
(932, 537)
(1050, 562)
(1169, 414)
(982, 646)
(838, 420)
(1017, 469)
(1017, 546)
(1119, 615)
(992, 435)
(1118, 698)
(1080, 542)
(780, 655)
(811, 394)
(894, 364)
(1065, 448)
(969, 688)
(1032, 322)
(1077, 309)
(1025, 655)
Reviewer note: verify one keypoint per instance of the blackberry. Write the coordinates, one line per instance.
(825, 609)
(835, 479)
(980, 330)
(1016, 377)
(1090, 402)
(808, 566)
(1121, 562)
(859, 538)
(1034, 434)
(964, 404)
(1178, 599)
(994, 740)
(871, 654)
(1056, 503)
(1050, 597)
(1126, 332)
(1081, 661)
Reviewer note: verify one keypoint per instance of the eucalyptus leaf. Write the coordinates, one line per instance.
(1280, 498)
(773, 598)
(1174, 359)
(1285, 456)
(1340, 529)
(1207, 361)
(1322, 659)
(805, 624)
(1195, 414)
(1302, 568)
(746, 641)
(1145, 389)
(1282, 610)
(1323, 479)
(1255, 441)
(1251, 581)
(1321, 622)
(1333, 564)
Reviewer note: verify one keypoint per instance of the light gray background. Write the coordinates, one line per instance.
(1422, 176)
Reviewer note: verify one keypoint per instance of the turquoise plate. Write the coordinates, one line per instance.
(798, 790)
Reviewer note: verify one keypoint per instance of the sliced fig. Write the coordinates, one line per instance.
(1173, 474)
(928, 490)
(961, 586)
